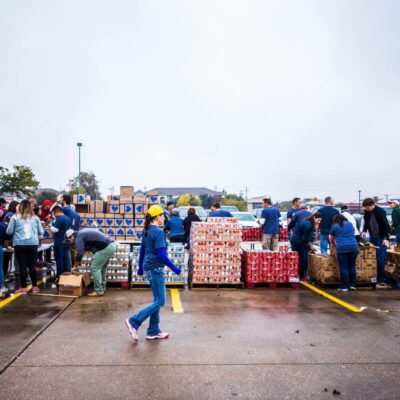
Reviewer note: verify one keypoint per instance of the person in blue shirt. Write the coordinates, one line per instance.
(299, 216)
(175, 227)
(302, 240)
(69, 212)
(342, 235)
(270, 223)
(296, 207)
(216, 212)
(328, 212)
(61, 243)
(152, 258)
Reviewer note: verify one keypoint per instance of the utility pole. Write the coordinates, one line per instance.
(247, 192)
(359, 201)
(79, 144)
(387, 198)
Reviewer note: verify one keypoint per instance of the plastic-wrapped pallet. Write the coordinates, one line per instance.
(215, 251)
(118, 265)
(176, 253)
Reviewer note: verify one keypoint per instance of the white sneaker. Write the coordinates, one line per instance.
(161, 335)
(3, 290)
(342, 290)
(132, 331)
(353, 288)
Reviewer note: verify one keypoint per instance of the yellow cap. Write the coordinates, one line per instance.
(155, 210)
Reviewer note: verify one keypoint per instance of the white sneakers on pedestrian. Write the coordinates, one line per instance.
(161, 335)
(132, 331)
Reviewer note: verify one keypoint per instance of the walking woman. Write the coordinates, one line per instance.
(343, 236)
(153, 257)
(26, 229)
(187, 224)
(302, 239)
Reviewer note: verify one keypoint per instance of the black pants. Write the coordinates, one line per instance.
(176, 239)
(26, 256)
(6, 262)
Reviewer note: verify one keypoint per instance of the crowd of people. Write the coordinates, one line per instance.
(332, 227)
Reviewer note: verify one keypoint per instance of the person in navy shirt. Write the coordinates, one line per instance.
(299, 216)
(152, 258)
(328, 212)
(342, 235)
(294, 209)
(270, 223)
(61, 243)
(175, 227)
(302, 240)
(217, 212)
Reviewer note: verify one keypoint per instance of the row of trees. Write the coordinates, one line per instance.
(206, 201)
(22, 182)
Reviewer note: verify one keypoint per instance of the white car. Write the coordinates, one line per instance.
(246, 219)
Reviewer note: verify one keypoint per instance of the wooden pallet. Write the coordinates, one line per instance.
(121, 284)
(208, 286)
(272, 285)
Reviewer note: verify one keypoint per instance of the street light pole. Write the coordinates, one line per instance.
(79, 168)
(359, 201)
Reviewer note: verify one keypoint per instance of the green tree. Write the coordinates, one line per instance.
(43, 195)
(194, 201)
(240, 204)
(20, 181)
(89, 185)
(183, 200)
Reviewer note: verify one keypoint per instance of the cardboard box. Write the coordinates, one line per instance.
(129, 222)
(113, 199)
(120, 231)
(100, 220)
(81, 198)
(119, 222)
(109, 222)
(130, 233)
(138, 234)
(126, 191)
(139, 198)
(152, 193)
(113, 208)
(83, 223)
(96, 206)
(120, 238)
(153, 199)
(139, 208)
(139, 222)
(110, 231)
(73, 284)
(126, 208)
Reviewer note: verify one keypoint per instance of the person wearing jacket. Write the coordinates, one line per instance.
(302, 239)
(175, 227)
(25, 228)
(342, 235)
(187, 224)
(3, 209)
(11, 210)
(328, 212)
(153, 257)
(103, 248)
(344, 210)
(394, 204)
(377, 225)
(3, 228)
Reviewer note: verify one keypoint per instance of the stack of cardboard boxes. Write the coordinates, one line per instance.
(324, 268)
(176, 253)
(392, 269)
(117, 267)
(121, 217)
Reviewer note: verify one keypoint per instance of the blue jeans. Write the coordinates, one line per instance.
(303, 251)
(324, 242)
(347, 265)
(62, 257)
(380, 258)
(1, 266)
(398, 238)
(156, 279)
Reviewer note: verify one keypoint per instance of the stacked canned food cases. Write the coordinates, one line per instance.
(215, 251)
(118, 265)
(176, 253)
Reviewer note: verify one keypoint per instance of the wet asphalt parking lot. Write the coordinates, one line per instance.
(227, 344)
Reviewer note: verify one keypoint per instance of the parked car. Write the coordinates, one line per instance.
(200, 211)
(230, 209)
(246, 220)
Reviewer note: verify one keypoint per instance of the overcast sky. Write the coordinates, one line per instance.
(284, 97)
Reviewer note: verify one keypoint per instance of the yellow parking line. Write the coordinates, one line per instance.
(15, 296)
(334, 299)
(176, 301)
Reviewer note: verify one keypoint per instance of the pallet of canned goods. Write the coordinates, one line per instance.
(176, 253)
(117, 267)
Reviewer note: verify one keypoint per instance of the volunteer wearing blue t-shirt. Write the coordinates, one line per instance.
(175, 227)
(270, 222)
(216, 212)
(153, 257)
(61, 242)
(328, 212)
(343, 235)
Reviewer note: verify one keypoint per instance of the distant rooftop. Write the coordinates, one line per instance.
(179, 191)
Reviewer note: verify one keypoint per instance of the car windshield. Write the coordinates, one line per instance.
(243, 217)
(183, 213)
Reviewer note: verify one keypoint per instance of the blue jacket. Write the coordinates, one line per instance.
(25, 232)
(303, 233)
(175, 226)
